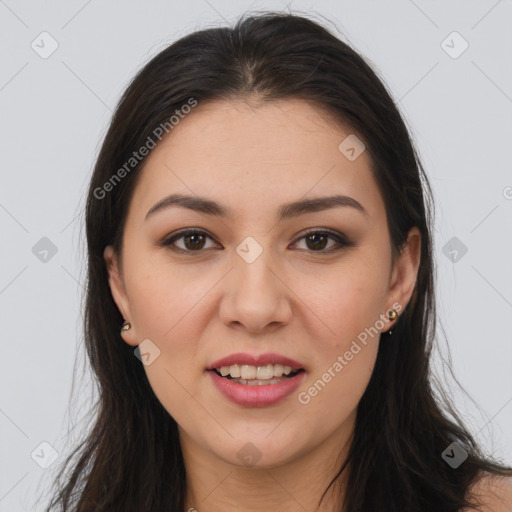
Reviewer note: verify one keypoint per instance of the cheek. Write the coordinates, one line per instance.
(168, 308)
(346, 299)
(165, 300)
(344, 358)
(349, 303)
(333, 394)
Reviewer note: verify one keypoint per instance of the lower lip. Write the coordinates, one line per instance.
(256, 396)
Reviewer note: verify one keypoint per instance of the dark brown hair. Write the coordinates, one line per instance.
(131, 459)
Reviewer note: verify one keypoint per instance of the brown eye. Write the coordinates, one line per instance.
(193, 241)
(317, 241)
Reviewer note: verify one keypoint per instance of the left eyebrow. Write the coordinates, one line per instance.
(285, 211)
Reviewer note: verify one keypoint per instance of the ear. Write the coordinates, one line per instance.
(405, 272)
(118, 290)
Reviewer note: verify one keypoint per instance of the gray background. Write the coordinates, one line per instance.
(56, 110)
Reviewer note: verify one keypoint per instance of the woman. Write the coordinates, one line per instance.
(260, 305)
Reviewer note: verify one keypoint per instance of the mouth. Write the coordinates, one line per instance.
(262, 380)
(250, 375)
(255, 391)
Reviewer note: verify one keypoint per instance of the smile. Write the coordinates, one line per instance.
(256, 375)
(256, 392)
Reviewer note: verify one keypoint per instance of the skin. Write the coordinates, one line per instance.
(493, 493)
(304, 304)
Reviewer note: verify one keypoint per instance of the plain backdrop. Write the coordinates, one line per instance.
(55, 111)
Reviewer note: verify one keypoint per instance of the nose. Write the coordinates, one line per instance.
(256, 297)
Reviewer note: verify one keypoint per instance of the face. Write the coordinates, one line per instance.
(313, 284)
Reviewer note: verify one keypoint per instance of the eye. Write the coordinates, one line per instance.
(316, 240)
(194, 240)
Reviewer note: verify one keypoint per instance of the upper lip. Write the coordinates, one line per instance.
(255, 360)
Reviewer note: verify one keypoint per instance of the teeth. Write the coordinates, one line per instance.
(259, 373)
(247, 372)
(256, 382)
(265, 372)
(279, 370)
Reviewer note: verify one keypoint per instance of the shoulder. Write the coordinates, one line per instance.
(493, 492)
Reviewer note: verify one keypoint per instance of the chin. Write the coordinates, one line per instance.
(258, 451)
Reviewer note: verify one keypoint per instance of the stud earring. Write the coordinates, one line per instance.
(126, 326)
(392, 315)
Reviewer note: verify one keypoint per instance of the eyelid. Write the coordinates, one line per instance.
(340, 238)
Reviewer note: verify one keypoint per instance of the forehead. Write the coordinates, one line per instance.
(242, 153)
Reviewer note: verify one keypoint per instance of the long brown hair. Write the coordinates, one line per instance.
(131, 459)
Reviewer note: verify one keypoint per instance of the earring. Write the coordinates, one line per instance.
(126, 326)
(392, 315)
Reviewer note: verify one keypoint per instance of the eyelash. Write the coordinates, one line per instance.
(340, 239)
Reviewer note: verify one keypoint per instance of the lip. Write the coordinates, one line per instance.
(256, 396)
(252, 360)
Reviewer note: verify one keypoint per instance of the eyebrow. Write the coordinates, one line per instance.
(286, 211)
